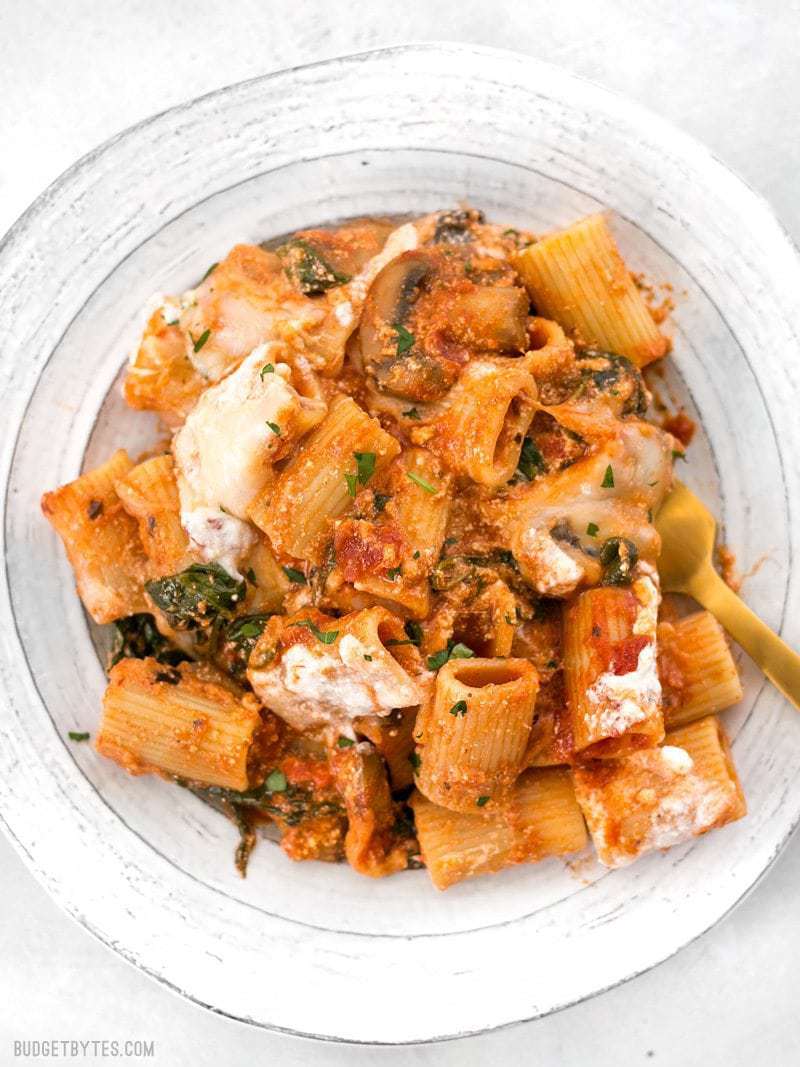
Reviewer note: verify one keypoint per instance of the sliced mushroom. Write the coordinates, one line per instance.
(424, 319)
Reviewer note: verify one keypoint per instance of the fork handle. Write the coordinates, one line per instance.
(779, 662)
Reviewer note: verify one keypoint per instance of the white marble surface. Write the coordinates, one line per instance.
(73, 75)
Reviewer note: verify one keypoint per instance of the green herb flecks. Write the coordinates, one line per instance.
(295, 575)
(76, 735)
(454, 650)
(459, 708)
(531, 461)
(275, 428)
(592, 529)
(415, 478)
(327, 637)
(276, 782)
(365, 466)
(198, 342)
(608, 478)
(403, 338)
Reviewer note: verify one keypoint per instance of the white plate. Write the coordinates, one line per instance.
(310, 948)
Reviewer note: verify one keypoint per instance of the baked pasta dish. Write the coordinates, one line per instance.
(389, 582)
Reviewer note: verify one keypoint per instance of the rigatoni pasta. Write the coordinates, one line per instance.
(660, 797)
(577, 277)
(297, 510)
(698, 673)
(391, 585)
(182, 721)
(102, 540)
(612, 686)
(540, 818)
(472, 735)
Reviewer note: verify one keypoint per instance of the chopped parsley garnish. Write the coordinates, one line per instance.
(395, 572)
(412, 413)
(415, 478)
(365, 466)
(276, 782)
(415, 761)
(379, 501)
(678, 455)
(416, 554)
(75, 735)
(250, 575)
(404, 339)
(294, 575)
(197, 343)
(268, 368)
(367, 658)
(552, 664)
(531, 461)
(345, 742)
(592, 529)
(459, 708)
(608, 478)
(275, 428)
(327, 637)
(414, 631)
(351, 480)
(510, 620)
(453, 651)
(482, 800)
(210, 270)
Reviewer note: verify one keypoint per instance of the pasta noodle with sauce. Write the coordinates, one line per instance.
(390, 583)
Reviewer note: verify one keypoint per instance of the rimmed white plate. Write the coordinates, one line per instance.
(309, 948)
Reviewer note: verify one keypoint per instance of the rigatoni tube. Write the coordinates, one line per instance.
(613, 691)
(320, 481)
(487, 415)
(698, 673)
(101, 540)
(578, 277)
(189, 721)
(540, 818)
(473, 734)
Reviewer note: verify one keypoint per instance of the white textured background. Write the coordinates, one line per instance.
(74, 73)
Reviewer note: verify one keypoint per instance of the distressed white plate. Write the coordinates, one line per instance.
(310, 948)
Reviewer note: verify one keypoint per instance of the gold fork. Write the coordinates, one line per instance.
(687, 530)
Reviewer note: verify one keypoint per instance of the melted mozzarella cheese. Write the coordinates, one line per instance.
(331, 687)
(223, 452)
(551, 570)
(219, 538)
(677, 759)
(619, 701)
